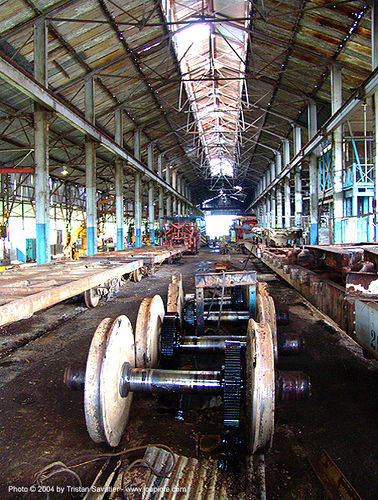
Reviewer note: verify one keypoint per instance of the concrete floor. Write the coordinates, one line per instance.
(41, 421)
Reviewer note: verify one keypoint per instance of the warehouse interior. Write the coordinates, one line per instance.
(189, 249)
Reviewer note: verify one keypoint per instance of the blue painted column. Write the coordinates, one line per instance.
(298, 197)
(174, 185)
(137, 193)
(151, 213)
(161, 195)
(374, 64)
(119, 181)
(41, 149)
(90, 171)
(337, 152)
(313, 171)
(168, 200)
(138, 211)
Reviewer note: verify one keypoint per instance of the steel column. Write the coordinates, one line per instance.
(90, 170)
(41, 149)
(138, 211)
(119, 181)
(337, 152)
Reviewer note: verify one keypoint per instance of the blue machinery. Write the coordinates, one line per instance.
(358, 186)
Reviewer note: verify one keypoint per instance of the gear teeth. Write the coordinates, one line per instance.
(170, 332)
(232, 383)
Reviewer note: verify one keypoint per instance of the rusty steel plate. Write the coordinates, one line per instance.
(106, 412)
(175, 302)
(147, 332)
(260, 387)
(91, 297)
(266, 313)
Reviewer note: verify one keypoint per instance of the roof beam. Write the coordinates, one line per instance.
(369, 86)
(19, 79)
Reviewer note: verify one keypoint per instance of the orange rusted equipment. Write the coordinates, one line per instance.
(183, 233)
(244, 225)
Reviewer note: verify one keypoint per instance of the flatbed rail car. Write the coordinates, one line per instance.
(28, 289)
(33, 287)
(150, 255)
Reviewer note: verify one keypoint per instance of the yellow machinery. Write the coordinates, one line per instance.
(76, 242)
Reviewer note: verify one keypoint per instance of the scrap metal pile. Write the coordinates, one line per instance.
(274, 237)
(183, 233)
(339, 280)
(123, 361)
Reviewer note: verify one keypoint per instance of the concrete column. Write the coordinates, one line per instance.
(90, 170)
(161, 194)
(279, 222)
(119, 181)
(337, 152)
(298, 207)
(374, 63)
(150, 156)
(138, 210)
(287, 201)
(298, 198)
(313, 171)
(272, 172)
(168, 200)
(273, 214)
(297, 139)
(178, 182)
(151, 213)
(286, 152)
(268, 211)
(174, 185)
(41, 149)
(374, 36)
(278, 163)
(137, 142)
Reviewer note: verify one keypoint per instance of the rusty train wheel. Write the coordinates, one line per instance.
(147, 332)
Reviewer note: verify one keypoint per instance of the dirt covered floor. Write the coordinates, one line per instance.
(41, 421)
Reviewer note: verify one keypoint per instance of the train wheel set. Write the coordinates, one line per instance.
(122, 362)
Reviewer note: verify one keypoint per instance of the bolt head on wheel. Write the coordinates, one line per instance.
(106, 412)
(147, 332)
